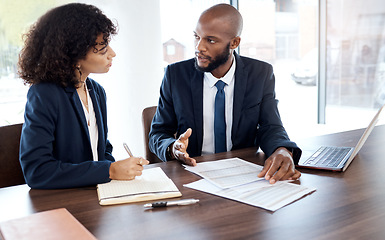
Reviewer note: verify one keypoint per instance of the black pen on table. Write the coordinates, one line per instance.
(171, 203)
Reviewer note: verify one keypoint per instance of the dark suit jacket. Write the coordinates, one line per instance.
(55, 150)
(256, 121)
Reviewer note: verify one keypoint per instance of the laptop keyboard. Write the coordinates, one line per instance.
(328, 156)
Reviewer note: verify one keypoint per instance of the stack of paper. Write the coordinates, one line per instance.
(153, 184)
(227, 173)
(237, 179)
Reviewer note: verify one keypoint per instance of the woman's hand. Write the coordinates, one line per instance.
(127, 169)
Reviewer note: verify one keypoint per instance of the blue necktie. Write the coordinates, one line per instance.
(219, 119)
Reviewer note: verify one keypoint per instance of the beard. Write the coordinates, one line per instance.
(218, 61)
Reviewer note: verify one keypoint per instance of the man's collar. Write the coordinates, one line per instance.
(229, 76)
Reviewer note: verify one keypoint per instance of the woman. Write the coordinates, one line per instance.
(64, 138)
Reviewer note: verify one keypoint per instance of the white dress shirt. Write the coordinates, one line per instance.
(92, 126)
(209, 93)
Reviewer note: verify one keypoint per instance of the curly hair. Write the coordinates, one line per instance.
(58, 40)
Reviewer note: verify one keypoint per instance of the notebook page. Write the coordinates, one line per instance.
(152, 181)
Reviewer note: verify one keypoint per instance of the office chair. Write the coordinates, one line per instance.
(10, 169)
(147, 116)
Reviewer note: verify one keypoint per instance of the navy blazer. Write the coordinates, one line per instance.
(256, 121)
(55, 148)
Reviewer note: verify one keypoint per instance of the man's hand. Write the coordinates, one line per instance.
(179, 149)
(127, 169)
(279, 166)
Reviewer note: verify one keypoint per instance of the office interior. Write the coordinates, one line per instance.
(328, 58)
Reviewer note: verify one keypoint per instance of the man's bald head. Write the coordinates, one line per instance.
(217, 35)
(226, 16)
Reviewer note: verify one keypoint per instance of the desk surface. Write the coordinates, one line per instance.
(345, 205)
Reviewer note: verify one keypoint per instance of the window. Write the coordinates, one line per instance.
(355, 54)
(283, 33)
(178, 20)
(15, 18)
(170, 50)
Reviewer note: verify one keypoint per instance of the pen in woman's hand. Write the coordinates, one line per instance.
(141, 160)
(127, 150)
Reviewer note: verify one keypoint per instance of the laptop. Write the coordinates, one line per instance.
(337, 158)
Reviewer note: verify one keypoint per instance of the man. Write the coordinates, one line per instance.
(238, 111)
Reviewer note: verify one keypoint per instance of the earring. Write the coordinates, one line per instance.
(80, 72)
(78, 68)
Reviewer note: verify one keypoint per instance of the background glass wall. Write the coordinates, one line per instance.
(285, 33)
(355, 58)
(15, 18)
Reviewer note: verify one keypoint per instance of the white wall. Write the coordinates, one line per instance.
(134, 80)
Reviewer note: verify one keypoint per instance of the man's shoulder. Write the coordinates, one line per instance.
(253, 61)
(253, 66)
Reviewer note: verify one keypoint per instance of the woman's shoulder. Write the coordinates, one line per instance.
(45, 88)
(46, 95)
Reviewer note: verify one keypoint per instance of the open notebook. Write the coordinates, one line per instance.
(152, 185)
(338, 158)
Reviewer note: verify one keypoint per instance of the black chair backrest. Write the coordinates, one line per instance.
(10, 169)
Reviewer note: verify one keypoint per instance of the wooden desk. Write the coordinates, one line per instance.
(349, 205)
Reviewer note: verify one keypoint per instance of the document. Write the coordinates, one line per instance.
(257, 192)
(152, 185)
(227, 173)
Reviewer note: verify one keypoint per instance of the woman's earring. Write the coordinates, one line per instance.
(80, 72)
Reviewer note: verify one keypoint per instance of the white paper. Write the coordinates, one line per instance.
(227, 173)
(259, 193)
(237, 179)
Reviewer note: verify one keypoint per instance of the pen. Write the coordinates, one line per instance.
(127, 150)
(171, 203)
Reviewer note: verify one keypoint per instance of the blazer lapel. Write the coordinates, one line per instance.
(197, 100)
(239, 94)
(75, 100)
(98, 115)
